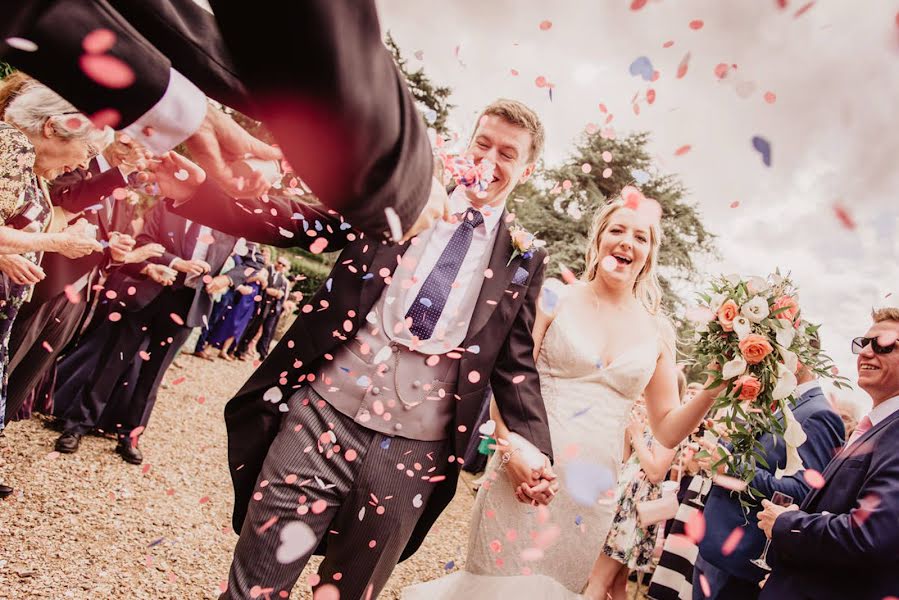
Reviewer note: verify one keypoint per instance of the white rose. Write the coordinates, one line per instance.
(742, 327)
(755, 310)
(733, 368)
(716, 301)
(756, 285)
(785, 333)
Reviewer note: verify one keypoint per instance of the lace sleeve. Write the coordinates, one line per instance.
(16, 170)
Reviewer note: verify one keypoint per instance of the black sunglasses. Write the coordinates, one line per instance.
(860, 343)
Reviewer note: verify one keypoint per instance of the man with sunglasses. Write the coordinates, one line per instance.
(843, 541)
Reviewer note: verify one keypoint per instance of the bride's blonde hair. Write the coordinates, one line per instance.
(646, 287)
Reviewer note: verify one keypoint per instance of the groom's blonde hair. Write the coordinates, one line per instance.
(520, 115)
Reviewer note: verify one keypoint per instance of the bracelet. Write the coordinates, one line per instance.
(507, 456)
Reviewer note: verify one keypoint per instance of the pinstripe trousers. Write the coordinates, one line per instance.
(325, 475)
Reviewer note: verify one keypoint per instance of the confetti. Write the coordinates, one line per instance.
(586, 482)
(21, 44)
(106, 117)
(609, 263)
(115, 316)
(803, 9)
(696, 24)
(683, 150)
(842, 214)
(98, 41)
(770, 97)
(683, 66)
(735, 204)
(813, 478)
(318, 246)
(546, 25)
(763, 147)
(296, 540)
(72, 296)
(638, 4)
(642, 67)
(695, 527)
(107, 70)
(176, 318)
(181, 175)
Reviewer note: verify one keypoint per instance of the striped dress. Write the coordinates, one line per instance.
(673, 577)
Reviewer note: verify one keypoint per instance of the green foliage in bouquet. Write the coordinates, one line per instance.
(750, 336)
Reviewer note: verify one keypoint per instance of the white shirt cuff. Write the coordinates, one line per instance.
(173, 119)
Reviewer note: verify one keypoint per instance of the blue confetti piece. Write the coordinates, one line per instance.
(578, 520)
(550, 299)
(581, 412)
(599, 364)
(385, 443)
(449, 566)
(155, 542)
(363, 381)
(639, 176)
(763, 147)
(344, 226)
(475, 349)
(642, 67)
(318, 225)
(298, 216)
(586, 482)
(430, 116)
(368, 276)
(328, 283)
(305, 225)
(426, 301)
(344, 369)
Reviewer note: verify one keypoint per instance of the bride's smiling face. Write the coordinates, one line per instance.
(624, 246)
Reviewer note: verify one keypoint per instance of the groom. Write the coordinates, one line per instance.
(348, 438)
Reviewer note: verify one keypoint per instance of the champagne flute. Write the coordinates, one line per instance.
(780, 499)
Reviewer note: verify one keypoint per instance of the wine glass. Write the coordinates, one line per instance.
(710, 437)
(780, 499)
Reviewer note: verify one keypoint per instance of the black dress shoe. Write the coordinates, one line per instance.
(68, 442)
(5, 491)
(130, 454)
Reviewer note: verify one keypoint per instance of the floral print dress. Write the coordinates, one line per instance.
(628, 542)
(23, 205)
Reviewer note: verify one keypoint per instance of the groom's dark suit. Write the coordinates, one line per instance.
(499, 334)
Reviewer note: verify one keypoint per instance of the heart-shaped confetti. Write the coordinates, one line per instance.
(297, 539)
(641, 67)
(181, 175)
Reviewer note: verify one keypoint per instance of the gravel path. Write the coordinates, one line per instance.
(90, 525)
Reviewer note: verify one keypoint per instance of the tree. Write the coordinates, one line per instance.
(433, 100)
(559, 205)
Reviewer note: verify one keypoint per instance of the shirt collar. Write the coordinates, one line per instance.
(803, 388)
(459, 203)
(883, 410)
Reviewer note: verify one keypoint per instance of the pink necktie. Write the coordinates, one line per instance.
(863, 426)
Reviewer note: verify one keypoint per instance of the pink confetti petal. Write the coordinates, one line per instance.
(694, 528)
(696, 24)
(733, 540)
(318, 246)
(683, 66)
(21, 44)
(804, 9)
(546, 25)
(176, 318)
(107, 70)
(609, 264)
(98, 41)
(106, 117)
(637, 4)
(683, 150)
(813, 478)
(115, 316)
(72, 296)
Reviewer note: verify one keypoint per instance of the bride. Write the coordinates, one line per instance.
(599, 344)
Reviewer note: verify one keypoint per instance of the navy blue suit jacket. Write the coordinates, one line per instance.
(825, 434)
(844, 540)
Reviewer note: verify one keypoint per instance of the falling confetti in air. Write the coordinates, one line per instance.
(642, 67)
(106, 70)
(763, 147)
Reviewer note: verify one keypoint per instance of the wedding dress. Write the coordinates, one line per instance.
(548, 552)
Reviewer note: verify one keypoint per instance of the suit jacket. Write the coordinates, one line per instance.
(499, 335)
(322, 82)
(723, 513)
(166, 228)
(843, 542)
(274, 305)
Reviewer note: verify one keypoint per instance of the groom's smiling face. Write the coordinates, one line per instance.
(508, 147)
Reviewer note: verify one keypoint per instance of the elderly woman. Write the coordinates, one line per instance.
(41, 137)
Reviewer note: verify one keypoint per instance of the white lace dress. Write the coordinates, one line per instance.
(515, 549)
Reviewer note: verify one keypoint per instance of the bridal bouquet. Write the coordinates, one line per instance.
(751, 337)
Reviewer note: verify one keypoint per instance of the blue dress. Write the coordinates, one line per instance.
(236, 318)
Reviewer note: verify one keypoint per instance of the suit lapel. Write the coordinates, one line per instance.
(492, 289)
(840, 458)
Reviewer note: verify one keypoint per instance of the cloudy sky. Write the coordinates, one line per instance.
(834, 74)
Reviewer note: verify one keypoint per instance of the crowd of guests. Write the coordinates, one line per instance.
(101, 285)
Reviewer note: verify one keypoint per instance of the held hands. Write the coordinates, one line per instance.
(219, 143)
(21, 270)
(191, 267)
(769, 515)
(161, 274)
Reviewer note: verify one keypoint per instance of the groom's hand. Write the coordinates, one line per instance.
(544, 490)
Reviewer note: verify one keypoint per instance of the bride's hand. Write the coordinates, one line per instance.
(520, 473)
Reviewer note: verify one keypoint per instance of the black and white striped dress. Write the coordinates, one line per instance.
(673, 577)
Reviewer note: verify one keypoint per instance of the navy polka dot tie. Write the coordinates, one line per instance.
(425, 310)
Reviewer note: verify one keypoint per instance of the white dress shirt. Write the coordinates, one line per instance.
(883, 410)
(481, 242)
(173, 119)
(802, 388)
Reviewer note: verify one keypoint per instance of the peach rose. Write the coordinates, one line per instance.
(749, 387)
(792, 308)
(755, 348)
(727, 313)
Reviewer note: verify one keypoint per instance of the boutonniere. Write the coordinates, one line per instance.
(524, 243)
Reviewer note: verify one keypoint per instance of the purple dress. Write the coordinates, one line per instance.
(235, 319)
